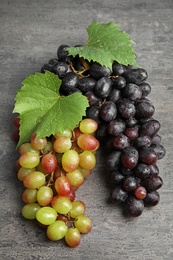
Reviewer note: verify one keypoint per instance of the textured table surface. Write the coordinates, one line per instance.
(30, 32)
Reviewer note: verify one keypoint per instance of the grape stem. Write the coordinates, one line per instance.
(80, 73)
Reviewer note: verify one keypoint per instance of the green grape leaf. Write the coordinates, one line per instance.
(106, 43)
(43, 110)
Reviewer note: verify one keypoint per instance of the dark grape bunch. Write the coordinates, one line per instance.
(118, 100)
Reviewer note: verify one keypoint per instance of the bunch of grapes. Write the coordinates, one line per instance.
(127, 129)
(51, 170)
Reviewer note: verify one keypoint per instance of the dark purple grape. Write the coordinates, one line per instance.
(86, 84)
(152, 183)
(147, 156)
(152, 199)
(77, 64)
(134, 206)
(142, 141)
(131, 122)
(131, 133)
(118, 195)
(132, 91)
(135, 75)
(53, 61)
(69, 81)
(120, 142)
(102, 131)
(94, 113)
(146, 89)
(126, 108)
(93, 99)
(129, 157)
(156, 139)
(126, 171)
(159, 150)
(46, 67)
(115, 178)
(118, 69)
(62, 53)
(116, 127)
(129, 183)
(119, 82)
(154, 169)
(114, 95)
(98, 71)
(108, 111)
(103, 87)
(150, 128)
(113, 160)
(142, 171)
(60, 68)
(144, 109)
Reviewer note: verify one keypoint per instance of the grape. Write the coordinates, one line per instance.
(103, 87)
(152, 183)
(129, 157)
(38, 144)
(144, 109)
(78, 208)
(29, 160)
(88, 126)
(49, 162)
(146, 89)
(134, 206)
(142, 141)
(131, 133)
(117, 68)
(60, 68)
(142, 171)
(29, 195)
(69, 82)
(115, 178)
(93, 99)
(119, 82)
(27, 147)
(118, 195)
(62, 144)
(147, 156)
(126, 108)
(132, 91)
(76, 178)
(88, 142)
(135, 75)
(116, 127)
(93, 113)
(67, 132)
(46, 215)
(73, 237)
(62, 53)
(16, 121)
(29, 210)
(159, 150)
(57, 230)
(114, 95)
(97, 71)
(83, 224)
(44, 195)
(63, 186)
(87, 160)
(108, 111)
(34, 180)
(113, 160)
(61, 204)
(23, 172)
(129, 183)
(86, 84)
(70, 160)
(120, 142)
(150, 128)
(152, 199)
(140, 192)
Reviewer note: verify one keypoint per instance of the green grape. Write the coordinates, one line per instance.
(73, 237)
(87, 160)
(83, 224)
(76, 178)
(57, 230)
(62, 144)
(29, 160)
(27, 147)
(44, 195)
(70, 160)
(88, 126)
(46, 215)
(84, 172)
(38, 144)
(78, 208)
(23, 172)
(34, 180)
(29, 210)
(61, 204)
(48, 148)
(67, 132)
(88, 142)
(29, 195)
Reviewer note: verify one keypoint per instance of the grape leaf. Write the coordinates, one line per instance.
(43, 110)
(106, 43)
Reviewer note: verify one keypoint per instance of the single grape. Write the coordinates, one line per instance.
(140, 192)
(57, 230)
(98, 71)
(117, 68)
(113, 160)
(34, 180)
(73, 237)
(147, 156)
(129, 157)
(108, 111)
(44, 195)
(142, 171)
(67, 132)
(86, 84)
(76, 178)
(23, 172)
(129, 183)
(27, 147)
(93, 99)
(62, 52)
(29, 195)
(88, 126)
(60, 69)
(159, 150)
(114, 95)
(87, 160)
(152, 199)
(115, 178)
(150, 128)
(38, 144)
(63, 186)
(134, 206)
(61, 204)
(135, 75)
(103, 87)
(131, 133)
(29, 160)
(144, 109)
(132, 91)
(121, 141)
(116, 127)
(118, 195)
(16, 122)
(29, 210)
(93, 113)
(46, 215)
(142, 141)
(83, 224)
(78, 208)
(62, 144)
(152, 183)
(69, 82)
(146, 89)
(49, 162)
(88, 142)
(119, 82)
(126, 108)
(70, 160)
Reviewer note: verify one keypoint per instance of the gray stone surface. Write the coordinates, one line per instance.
(30, 32)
